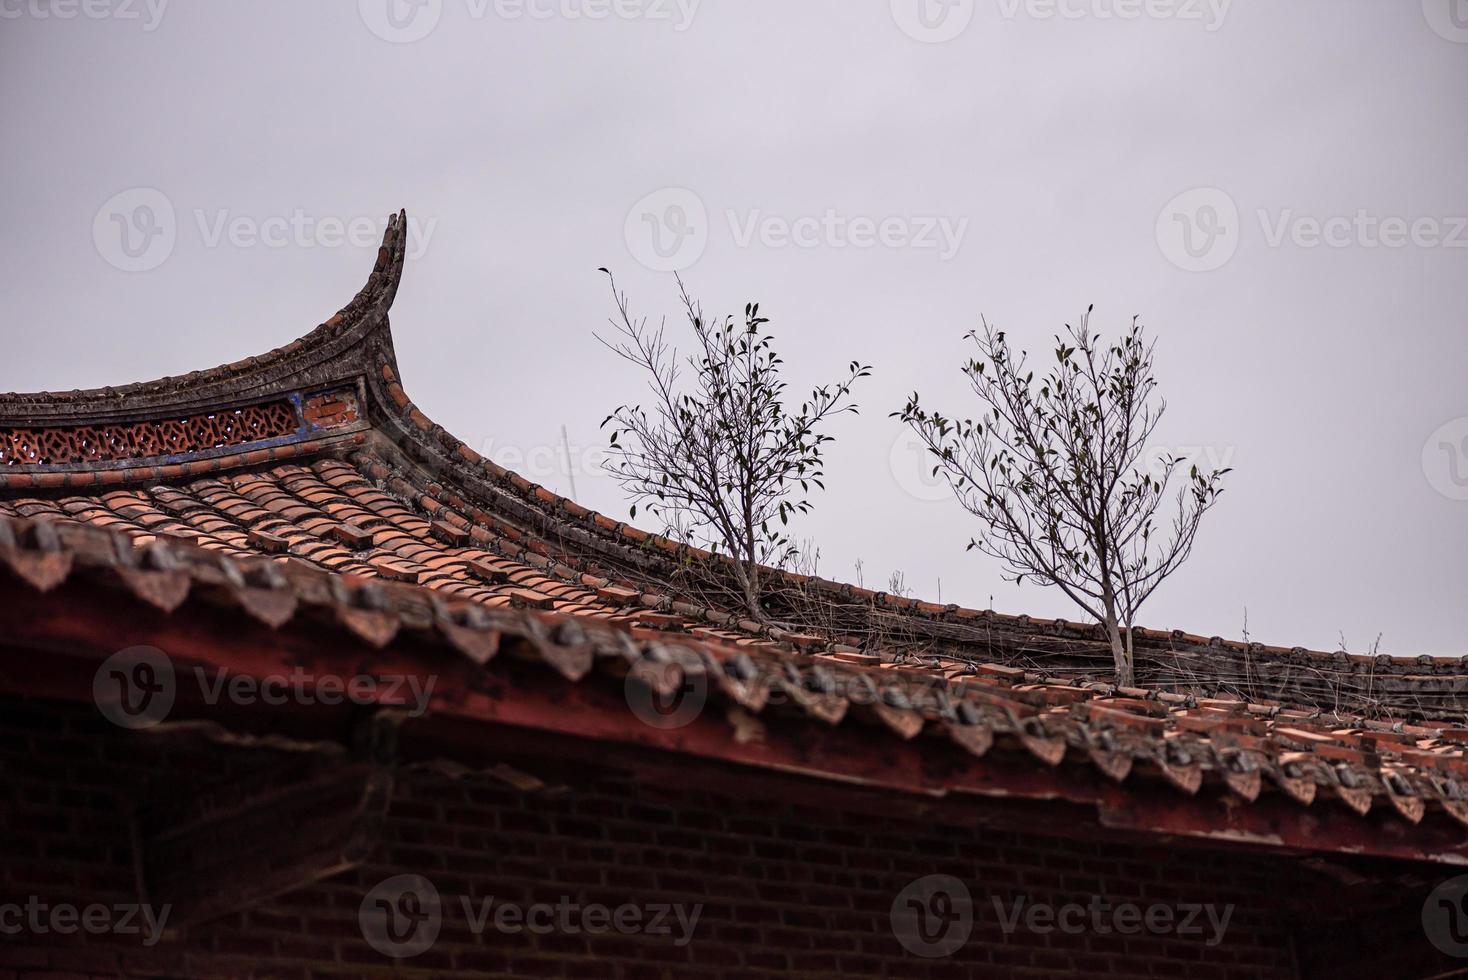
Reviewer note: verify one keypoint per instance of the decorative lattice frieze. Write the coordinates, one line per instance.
(143, 440)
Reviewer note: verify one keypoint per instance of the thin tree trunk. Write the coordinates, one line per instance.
(751, 592)
(1131, 657)
(751, 555)
(1121, 654)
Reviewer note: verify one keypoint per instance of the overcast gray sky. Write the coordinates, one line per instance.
(1279, 187)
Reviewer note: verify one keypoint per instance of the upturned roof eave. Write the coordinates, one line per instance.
(351, 342)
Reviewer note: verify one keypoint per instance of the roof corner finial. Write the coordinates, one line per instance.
(388, 272)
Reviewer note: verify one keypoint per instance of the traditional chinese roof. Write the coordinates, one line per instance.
(303, 490)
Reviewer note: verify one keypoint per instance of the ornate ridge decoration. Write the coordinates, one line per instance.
(106, 443)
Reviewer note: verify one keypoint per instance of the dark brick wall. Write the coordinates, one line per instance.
(786, 890)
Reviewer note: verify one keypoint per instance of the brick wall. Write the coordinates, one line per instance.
(785, 889)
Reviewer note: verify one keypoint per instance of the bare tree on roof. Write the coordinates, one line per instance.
(716, 455)
(1054, 469)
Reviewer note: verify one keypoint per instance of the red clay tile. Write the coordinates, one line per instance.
(264, 541)
(530, 599)
(395, 571)
(352, 536)
(618, 595)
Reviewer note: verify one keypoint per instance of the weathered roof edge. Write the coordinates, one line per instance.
(1216, 759)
